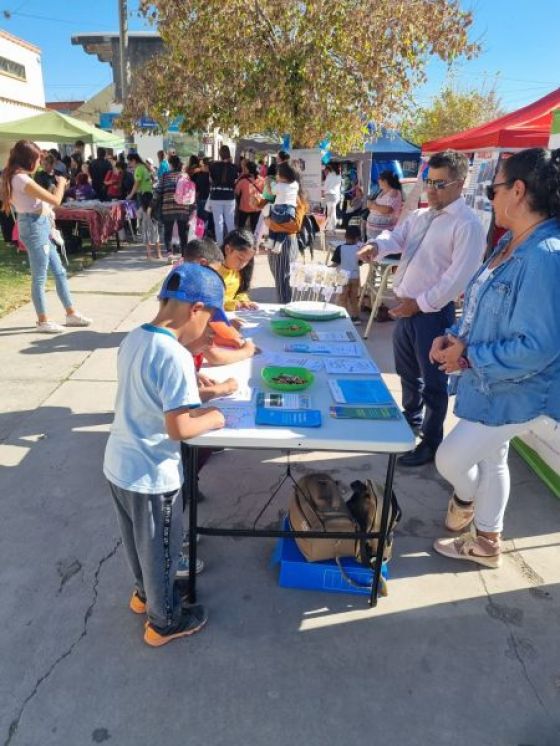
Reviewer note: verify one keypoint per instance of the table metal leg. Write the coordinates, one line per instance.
(192, 492)
(383, 528)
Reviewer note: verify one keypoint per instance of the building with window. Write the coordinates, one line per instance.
(22, 92)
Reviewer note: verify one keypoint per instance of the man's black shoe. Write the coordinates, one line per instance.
(422, 454)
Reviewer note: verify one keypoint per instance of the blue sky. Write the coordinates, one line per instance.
(516, 46)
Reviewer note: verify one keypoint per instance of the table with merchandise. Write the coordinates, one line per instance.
(312, 387)
(103, 220)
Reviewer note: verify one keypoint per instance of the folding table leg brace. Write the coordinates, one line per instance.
(194, 529)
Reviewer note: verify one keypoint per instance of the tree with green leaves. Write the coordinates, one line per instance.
(311, 68)
(452, 111)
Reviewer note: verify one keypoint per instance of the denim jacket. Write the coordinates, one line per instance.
(513, 345)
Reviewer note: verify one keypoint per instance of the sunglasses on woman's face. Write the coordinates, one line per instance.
(491, 190)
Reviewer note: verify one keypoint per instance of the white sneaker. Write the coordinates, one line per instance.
(76, 319)
(49, 327)
(183, 568)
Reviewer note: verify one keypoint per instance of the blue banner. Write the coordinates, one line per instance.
(106, 120)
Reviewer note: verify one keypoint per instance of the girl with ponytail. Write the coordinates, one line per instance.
(34, 205)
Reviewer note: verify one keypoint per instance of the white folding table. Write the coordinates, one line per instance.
(363, 436)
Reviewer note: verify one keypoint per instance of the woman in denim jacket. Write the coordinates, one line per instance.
(505, 351)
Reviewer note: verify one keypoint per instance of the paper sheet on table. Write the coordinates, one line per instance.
(240, 398)
(359, 391)
(355, 366)
(342, 349)
(237, 417)
(347, 336)
(292, 362)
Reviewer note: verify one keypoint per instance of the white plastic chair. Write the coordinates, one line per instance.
(380, 274)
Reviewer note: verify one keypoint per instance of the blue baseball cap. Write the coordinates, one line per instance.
(193, 283)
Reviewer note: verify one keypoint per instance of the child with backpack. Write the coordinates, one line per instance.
(158, 406)
(177, 197)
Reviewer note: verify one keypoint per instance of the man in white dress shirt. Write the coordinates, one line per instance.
(441, 247)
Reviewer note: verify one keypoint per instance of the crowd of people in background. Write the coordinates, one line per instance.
(228, 194)
(217, 197)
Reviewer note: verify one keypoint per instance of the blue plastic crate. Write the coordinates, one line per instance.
(297, 572)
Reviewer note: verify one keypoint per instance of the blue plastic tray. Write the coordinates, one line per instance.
(297, 572)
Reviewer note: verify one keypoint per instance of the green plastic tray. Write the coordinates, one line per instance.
(273, 371)
(290, 328)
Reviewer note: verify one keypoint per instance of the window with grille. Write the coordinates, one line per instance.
(14, 69)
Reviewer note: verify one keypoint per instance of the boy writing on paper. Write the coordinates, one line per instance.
(157, 406)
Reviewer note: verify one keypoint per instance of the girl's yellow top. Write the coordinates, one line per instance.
(232, 280)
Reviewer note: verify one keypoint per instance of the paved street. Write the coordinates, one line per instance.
(453, 655)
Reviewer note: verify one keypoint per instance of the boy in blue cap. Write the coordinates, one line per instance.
(157, 407)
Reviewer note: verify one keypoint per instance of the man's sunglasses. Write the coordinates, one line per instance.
(438, 184)
(491, 190)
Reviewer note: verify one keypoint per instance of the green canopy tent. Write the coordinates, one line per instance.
(51, 126)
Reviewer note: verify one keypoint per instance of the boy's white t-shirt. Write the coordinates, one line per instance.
(156, 374)
(349, 260)
(286, 194)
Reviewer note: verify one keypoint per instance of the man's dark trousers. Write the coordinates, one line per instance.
(423, 384)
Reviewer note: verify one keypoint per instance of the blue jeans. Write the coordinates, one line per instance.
(282, 213)
(424, 385)
(42, 254)
(223, 212)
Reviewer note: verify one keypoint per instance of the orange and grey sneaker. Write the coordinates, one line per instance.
(470, 547)
(192, 620)
(459, 517)
(137, 603)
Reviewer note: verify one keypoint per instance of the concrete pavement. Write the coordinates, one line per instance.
(453, 655)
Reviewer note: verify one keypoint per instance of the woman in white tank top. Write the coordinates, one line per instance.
(34, 206)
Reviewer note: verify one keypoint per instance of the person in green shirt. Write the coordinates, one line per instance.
(142, 178)
(143, 191)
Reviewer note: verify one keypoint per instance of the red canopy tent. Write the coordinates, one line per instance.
(528, 127)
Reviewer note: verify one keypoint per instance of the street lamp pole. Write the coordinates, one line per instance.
(123, 49)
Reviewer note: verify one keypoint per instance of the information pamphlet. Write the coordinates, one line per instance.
(283, 401)
(359, 391)
(288, 417)
(365, 413)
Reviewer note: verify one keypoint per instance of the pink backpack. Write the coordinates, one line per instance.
(185, 191)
